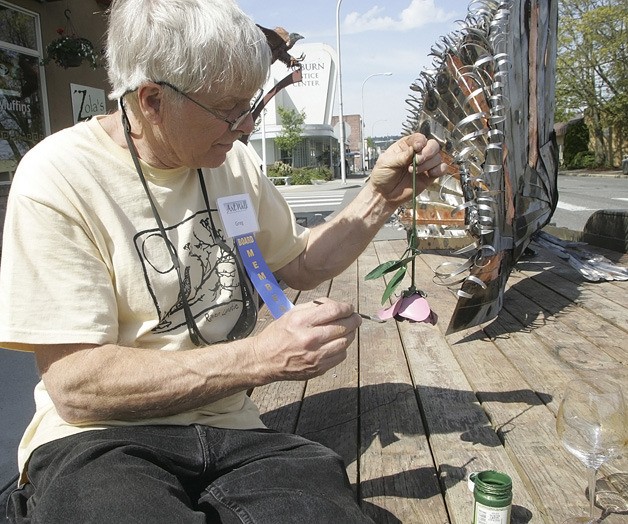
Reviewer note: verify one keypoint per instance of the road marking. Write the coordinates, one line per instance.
(304, 199)
(571, 207)
(622, 199)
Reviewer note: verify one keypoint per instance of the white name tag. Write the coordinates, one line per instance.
(238, 215)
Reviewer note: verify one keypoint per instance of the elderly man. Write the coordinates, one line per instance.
(120, 275)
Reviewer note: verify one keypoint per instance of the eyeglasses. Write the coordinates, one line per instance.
(235, 123)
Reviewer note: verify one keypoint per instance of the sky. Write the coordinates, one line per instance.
(376, 36)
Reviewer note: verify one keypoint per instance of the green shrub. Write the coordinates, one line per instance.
(583, 160)
(300, 176)
(576, 142)
(324, 173)
(280, 169)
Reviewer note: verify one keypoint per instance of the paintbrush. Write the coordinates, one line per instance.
(367, 317)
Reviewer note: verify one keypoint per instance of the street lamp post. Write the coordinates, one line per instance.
(341, 118)
(363, 123)
(264, 168)
(373, 134)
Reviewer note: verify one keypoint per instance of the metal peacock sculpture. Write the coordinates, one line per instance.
(489, 100)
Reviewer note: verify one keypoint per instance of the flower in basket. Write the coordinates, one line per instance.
(70, 51)
(411, 305)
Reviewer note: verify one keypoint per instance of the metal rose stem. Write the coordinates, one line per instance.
(413, 239)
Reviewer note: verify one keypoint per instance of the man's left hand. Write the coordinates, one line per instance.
(392, 174)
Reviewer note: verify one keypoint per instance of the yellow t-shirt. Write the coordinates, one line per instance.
(83, 261)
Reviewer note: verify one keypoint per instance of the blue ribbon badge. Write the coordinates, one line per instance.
(240, 223)
(262, 277)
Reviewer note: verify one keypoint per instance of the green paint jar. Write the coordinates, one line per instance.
(493, 497)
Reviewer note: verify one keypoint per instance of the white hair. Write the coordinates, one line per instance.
(193, 44)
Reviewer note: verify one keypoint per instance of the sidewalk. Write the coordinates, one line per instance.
(352, 180)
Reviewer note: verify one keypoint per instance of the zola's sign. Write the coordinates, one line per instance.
(87, 102)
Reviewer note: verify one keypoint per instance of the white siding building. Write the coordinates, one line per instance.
(314, 95)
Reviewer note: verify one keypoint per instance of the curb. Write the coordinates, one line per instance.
(584, 172)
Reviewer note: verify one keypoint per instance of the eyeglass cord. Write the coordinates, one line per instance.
(248, 317)
(195, 335)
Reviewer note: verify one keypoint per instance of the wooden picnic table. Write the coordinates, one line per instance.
(413, 411)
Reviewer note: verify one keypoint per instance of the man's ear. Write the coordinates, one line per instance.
(150, 97)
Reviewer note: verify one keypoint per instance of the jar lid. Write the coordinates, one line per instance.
(489, 481)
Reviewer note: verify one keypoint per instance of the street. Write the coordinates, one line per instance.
(578, 198)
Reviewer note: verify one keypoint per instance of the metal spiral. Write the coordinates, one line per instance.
(462, 104)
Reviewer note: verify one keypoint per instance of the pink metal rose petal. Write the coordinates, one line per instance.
(415, 308)
(390, 312)
(432, 319)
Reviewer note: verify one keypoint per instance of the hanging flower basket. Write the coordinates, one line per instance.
(70, 51)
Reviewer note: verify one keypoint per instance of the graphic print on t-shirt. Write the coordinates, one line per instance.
(208, 273)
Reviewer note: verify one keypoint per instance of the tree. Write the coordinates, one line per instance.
(292, 128)
(592, 69)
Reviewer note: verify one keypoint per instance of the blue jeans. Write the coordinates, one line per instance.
(185, 475)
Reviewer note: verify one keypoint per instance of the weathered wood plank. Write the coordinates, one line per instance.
(460, 434)
(565, 343)
(521, 419)
(582, 338)
(329, 412)
(586, 292)
(398, 481)
(529, 433)
(280, 402)
(605, 336)
(432, 407)
(592, 295)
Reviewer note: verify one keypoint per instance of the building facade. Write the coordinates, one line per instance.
(354, 135)
(37, 99)
(314, 96)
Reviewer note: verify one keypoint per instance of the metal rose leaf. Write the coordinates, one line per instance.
(394, 282)
(388, 267)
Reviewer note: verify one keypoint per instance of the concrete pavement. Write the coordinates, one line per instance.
(614, 173)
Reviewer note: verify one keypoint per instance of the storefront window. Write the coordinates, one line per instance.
(21, 102)
(18, 28)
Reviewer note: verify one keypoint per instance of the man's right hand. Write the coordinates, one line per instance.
(307, 341)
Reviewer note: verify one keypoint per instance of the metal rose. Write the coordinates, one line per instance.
(409, 306)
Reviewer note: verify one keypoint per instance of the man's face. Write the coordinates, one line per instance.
(197, 131)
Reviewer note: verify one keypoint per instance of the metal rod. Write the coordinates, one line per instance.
(341, 117)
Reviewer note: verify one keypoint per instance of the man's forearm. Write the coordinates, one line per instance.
(333, 246)
(112, 382)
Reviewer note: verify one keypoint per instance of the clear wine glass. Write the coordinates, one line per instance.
(591, 424)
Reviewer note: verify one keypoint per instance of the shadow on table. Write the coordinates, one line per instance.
(390, 410)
